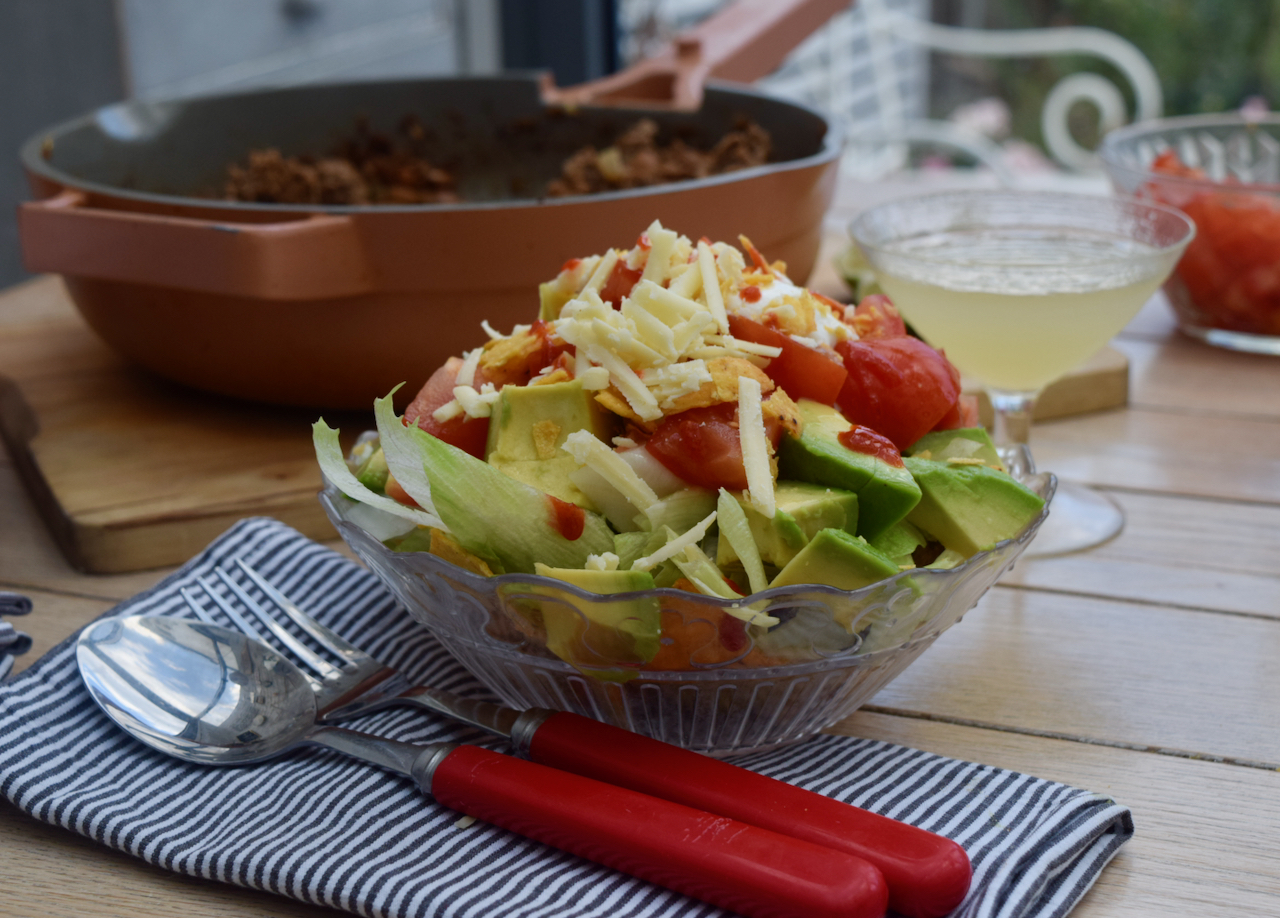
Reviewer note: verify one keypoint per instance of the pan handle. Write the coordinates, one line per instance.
(743, 42)
(317, 256)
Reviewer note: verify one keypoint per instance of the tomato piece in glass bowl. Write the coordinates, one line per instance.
(1223, 171)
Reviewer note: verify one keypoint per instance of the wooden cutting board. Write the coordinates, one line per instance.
(132, 472)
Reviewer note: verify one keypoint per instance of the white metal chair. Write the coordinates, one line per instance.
(870, 67)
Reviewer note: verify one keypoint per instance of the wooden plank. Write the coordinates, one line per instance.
(1229, 458)
(1183, 374)
(1175, 551)
(131, 472)
(1100, 384)
(30, 559)
(1205, 843)
(1111, 671)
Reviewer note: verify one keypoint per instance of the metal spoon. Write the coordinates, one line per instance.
(211, 695)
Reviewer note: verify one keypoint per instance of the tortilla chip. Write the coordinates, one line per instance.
(780, 408)
(723, 387)
(546, 434)
(445, 546)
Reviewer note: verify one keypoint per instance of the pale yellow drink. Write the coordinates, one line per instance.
(1014, 311)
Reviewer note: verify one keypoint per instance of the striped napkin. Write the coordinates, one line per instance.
(326, 829)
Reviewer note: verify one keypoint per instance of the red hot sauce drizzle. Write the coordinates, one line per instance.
(864, 440)
(567, 519)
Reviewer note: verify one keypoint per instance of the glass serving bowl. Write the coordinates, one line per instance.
(1226, 288)
(750, 695)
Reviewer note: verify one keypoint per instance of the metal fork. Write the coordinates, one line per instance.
(358, 683)
(927, 874)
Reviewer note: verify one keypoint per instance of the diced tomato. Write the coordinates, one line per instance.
(750, 294)
(701, 446)
(695, 634)
(899, 387)
(733, 632)
(552, 352)
(963, 414)
(877, 317)
(802, 372)
(468, 434)
(1227, 277)
(396, 492)
(619, 284)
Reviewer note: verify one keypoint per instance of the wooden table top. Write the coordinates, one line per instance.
(1147, 669)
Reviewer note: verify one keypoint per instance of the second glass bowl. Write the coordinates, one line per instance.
(1226, 177)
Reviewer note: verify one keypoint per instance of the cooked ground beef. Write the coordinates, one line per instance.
(373, 168)
(636, 159)
(368, 168)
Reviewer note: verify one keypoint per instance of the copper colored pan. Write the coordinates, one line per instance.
(332, 306)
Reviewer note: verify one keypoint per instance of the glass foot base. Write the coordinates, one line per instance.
(1080, 518)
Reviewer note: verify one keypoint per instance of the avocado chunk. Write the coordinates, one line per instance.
(836, 558)
(507, 523)
(600, 637)
(965, 445)
(899, 542)
(969, 508)
(373, 471)
(886, 492)
(803, 510)
(528, 426)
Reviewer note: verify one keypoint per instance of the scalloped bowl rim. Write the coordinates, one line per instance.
(716, 672)
(1108, 150)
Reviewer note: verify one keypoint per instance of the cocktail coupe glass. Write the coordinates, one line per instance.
(1019, 287)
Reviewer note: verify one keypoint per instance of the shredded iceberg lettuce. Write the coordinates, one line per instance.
(334, 467)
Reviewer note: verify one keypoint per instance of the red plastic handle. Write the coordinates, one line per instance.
(735, 866)
(927, 874)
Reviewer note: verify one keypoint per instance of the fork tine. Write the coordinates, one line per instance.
(303, 652)
(326, 638)
(189, 594)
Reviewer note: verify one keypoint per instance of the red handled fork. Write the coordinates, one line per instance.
(927, 874)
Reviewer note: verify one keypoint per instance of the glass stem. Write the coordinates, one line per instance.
(1012, 430)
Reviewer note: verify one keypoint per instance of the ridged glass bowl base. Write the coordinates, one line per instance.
(721, 707)
(1234, 340)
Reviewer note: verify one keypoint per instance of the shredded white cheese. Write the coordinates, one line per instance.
(755, 446)
(587, 450)
(686, 280)
(629, 384)
(662, 243)
(674, 546)
(476, 404)
(711, 287)
(448, 411)
(607, 561)
(593, 377)
(467, 372)
(493, 333)
(603, 269)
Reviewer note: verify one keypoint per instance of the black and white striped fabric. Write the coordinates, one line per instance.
(329, 830)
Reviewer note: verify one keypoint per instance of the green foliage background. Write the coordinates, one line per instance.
(1210, 55)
